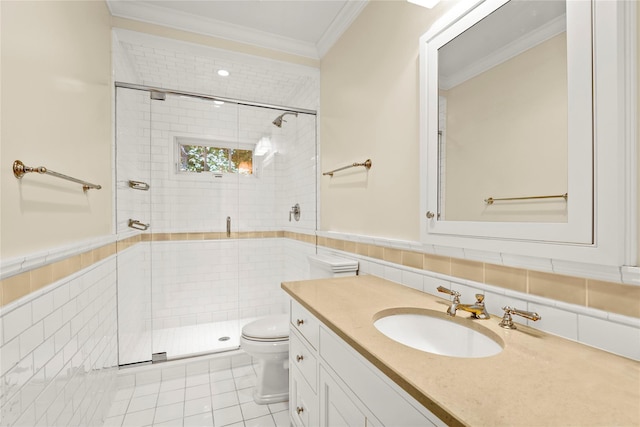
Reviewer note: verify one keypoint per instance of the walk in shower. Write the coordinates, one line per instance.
(205, 190)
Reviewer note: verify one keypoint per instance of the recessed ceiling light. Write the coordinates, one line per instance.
(425, 3)
(218, 102)
(223, 73)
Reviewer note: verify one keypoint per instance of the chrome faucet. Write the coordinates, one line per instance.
(477, 309)
(507, 322)
(451, 311)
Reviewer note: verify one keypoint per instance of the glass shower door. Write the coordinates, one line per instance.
(133, 174)
(206, 192)
(194, 211)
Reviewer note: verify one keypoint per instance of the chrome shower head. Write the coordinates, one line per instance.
(278, 121)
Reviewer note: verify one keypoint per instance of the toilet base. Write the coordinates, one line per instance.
(268, 399)
(272, 383)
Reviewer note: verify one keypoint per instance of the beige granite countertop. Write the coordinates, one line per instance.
(537, 380)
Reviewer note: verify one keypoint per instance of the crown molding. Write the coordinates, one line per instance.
(345, 18)
(210, 27)
(159, 42)
(159, 15)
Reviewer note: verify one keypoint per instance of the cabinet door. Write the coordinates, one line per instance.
(336, 408)
(303, 402)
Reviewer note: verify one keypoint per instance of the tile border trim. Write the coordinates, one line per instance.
(25, 276)
(46, 267)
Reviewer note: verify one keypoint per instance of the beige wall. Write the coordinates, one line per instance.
(369, 98)
(496, 145)
(369, 108)
(56, 112)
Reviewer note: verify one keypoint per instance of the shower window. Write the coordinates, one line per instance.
(198, 156)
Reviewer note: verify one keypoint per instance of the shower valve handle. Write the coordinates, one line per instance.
(295, 210)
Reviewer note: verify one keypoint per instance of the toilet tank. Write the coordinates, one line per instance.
(327, 266)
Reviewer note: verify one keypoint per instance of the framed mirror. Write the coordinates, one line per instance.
(508, 122)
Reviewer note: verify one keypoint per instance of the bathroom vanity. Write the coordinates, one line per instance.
(344, 371)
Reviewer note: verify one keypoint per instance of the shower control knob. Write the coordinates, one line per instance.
(299, 358)
(299, 322)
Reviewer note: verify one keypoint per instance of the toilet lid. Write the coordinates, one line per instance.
(272, 328)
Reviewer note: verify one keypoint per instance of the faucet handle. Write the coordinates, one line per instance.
(456, 294)
(507, 322)
(480, 299)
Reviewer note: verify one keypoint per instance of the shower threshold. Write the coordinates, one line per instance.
(198, 340)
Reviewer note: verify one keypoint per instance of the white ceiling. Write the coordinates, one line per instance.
(302, 27)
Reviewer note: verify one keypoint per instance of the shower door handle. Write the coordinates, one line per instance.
(228, 226)
(139, 185)
(134, 223)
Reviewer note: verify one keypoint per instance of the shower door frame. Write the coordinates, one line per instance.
(214, 98)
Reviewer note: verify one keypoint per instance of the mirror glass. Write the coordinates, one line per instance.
(503, 117)
(508, 123)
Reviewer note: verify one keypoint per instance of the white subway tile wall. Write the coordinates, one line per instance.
(147, 131)
(202, 282)
(133, 152)
(296, 180)
(134, 304)
(59, 351)
(295, 257)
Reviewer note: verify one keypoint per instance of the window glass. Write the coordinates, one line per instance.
(202, 158)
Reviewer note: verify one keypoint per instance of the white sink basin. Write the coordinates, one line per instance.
(434, 334)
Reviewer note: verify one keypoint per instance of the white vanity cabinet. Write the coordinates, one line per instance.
(332, 385)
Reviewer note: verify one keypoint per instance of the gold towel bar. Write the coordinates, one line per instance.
(19, 169)
(490, 200)
(366, 164)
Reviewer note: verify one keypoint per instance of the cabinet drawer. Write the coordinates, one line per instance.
(303, 402)
(303, 359)
(305, 323)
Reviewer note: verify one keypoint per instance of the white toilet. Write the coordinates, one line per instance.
(267, 339)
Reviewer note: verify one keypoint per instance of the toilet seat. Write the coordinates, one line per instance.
(267, 329)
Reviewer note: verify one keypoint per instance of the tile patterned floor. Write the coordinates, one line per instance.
(213, 399)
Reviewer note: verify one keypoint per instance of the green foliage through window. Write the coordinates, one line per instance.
(200, 158)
